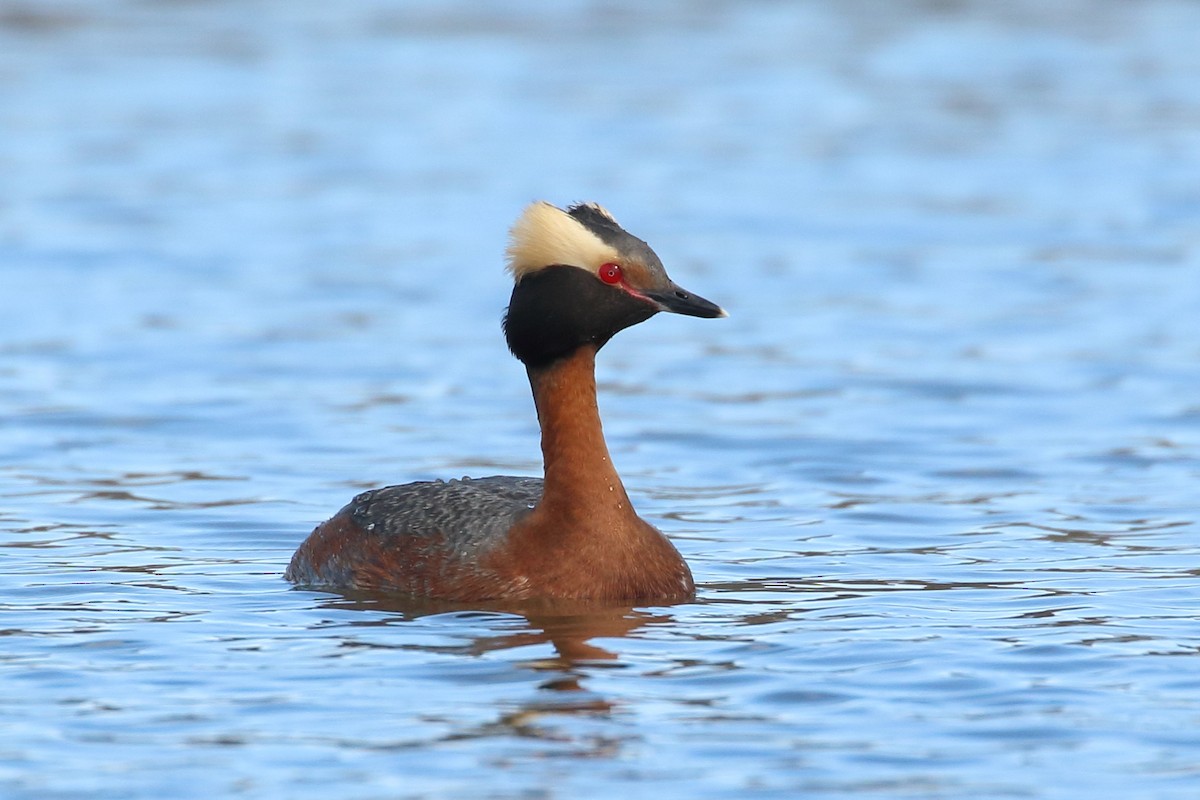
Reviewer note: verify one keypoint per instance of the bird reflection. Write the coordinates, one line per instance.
(572, 631)
(568, 627)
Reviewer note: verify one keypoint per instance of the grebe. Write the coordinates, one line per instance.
(579, 277)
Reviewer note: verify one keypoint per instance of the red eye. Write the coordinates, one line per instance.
(610, 273)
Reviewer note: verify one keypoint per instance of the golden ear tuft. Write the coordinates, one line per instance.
(545, 236)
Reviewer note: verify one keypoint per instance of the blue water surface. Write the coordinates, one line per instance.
(937, 475)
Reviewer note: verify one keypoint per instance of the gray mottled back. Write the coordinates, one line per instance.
(471, 513)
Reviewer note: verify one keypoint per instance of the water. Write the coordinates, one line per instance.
(936, 475)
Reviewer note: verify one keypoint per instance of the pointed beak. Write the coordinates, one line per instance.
(680, 301)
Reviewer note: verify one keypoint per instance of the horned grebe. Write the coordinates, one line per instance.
(579, 277)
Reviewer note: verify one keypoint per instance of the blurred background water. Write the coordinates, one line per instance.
(936, 475)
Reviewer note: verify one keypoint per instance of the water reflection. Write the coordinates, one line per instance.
(568, 628)
(561, 682)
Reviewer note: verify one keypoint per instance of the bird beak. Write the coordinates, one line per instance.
(680, 301)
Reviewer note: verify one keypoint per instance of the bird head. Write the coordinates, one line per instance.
(579, 278)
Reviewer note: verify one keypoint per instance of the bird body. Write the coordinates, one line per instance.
(579, 278)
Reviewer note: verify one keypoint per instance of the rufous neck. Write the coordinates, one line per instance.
(580, 476)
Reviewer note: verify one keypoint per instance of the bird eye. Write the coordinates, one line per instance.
(610, 273)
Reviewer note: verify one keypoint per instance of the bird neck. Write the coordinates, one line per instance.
(584, 540)
(580, 478)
